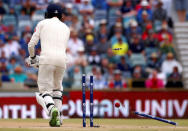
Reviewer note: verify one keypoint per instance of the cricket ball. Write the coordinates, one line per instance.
(117, 104)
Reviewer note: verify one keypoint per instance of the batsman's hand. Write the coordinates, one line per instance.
(33, 61)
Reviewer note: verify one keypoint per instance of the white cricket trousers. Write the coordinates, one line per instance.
(50, 78)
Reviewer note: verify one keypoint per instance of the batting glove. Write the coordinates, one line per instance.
(33, 61)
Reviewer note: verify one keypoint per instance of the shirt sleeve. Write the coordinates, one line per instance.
(67, 45)
(34, 40)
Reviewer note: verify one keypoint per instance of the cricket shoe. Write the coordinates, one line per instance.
(54, 121)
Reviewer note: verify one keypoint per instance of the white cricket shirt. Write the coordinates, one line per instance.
(54, 36)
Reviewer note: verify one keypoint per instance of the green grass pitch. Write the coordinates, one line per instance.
(105, 125)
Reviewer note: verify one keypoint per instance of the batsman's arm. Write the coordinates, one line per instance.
(34, 40)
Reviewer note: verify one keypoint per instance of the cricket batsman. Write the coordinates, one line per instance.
(53, 35)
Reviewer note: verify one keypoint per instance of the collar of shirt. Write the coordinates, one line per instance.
(55, 18)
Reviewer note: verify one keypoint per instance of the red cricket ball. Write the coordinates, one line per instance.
(117, 104)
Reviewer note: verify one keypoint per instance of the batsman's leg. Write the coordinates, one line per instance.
(45, 84)
(57, 97)
(41, 102)
(58, 89)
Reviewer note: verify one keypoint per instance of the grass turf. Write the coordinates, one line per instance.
(105, 125)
